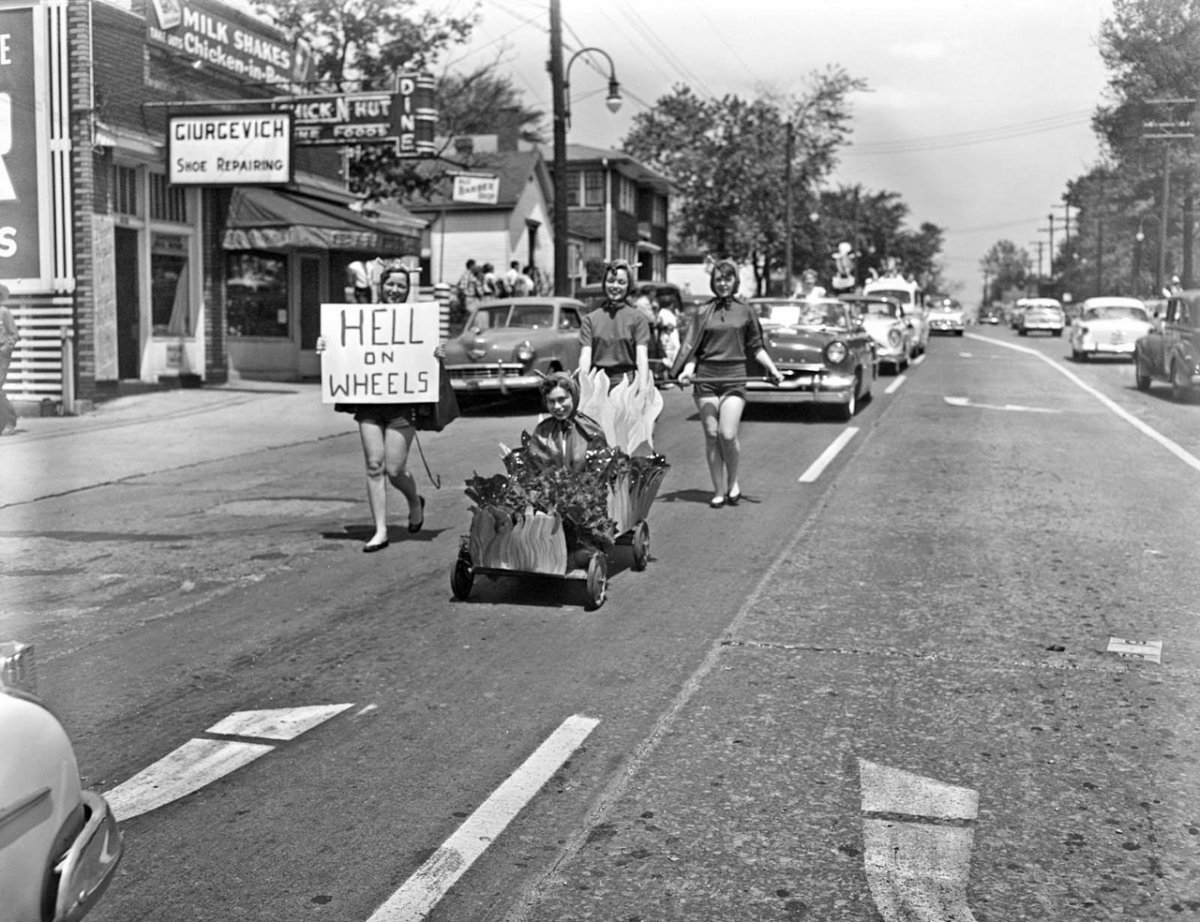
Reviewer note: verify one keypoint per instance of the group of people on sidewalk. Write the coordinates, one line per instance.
(715, 359)
(478, 282)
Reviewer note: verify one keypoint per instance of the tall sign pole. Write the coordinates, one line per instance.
(562, 282)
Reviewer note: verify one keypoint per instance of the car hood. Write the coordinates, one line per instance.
(800, 343)
(490, 345)
(875, 323)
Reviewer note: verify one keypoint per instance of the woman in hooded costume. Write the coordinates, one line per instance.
(721, 345)
(565, 436)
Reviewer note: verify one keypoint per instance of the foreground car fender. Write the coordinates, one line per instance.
(59, 845)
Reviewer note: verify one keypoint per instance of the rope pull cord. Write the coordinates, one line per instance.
(435, 479)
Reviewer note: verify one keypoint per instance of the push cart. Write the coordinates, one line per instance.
(534, 544)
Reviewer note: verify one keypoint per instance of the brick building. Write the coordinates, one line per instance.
(121, 268)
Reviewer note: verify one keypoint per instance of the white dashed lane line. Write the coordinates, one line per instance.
(431, 881)
(818, 467)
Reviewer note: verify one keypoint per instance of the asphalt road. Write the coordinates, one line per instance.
(883, 690)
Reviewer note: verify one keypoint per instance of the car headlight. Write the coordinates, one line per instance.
(836, 352)
(894, 338)
(1083, 331)
(525, 352)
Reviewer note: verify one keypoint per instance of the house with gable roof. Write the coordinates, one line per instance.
(516, 225)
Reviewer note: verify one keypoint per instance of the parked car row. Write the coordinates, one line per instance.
(1163, 343)
(829, 349)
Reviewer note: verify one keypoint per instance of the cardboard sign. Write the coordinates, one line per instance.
(380, 353)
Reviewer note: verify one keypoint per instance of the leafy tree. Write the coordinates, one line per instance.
(363, 44)
(873, 223)
(1008, 269)
(366, 44)
(1152, 51)
(727, 159)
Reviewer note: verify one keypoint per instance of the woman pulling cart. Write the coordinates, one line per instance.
(715, 360)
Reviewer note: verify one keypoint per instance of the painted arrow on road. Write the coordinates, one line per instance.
(200, 762)
(1010, 407)
(917, 837)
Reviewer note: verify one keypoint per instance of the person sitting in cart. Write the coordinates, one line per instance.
(565, 436)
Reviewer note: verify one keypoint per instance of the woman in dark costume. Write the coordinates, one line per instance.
(565, 436)
(725, 338)
(387, 431)
(615, 337)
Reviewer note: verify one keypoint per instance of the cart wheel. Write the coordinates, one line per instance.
(641, 546)
(597, 580)
(462, 578)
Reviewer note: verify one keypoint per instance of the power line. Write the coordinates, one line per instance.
(970, 138)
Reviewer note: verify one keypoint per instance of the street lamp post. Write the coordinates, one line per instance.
(560, 89)
(1138, 238)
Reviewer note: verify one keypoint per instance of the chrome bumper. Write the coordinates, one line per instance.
(87, 868)
(499, 382)
(804, 387)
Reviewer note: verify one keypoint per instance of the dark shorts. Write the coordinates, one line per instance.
(381, 414)
(704, 369)
(617, 373)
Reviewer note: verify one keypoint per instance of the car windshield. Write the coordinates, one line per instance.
(1116, 313)
(803, 315)
(530, 316)
(900, 294)
(881, 309)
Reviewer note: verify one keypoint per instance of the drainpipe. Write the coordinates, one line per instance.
(607, 210)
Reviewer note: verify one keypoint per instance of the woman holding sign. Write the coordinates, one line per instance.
(387, 431)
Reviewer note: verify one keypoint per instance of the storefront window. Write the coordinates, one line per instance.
(256, 295)
(170, 291)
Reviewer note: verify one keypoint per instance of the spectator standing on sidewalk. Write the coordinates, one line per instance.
(8, 342)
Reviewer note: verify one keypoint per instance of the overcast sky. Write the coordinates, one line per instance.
(978, 112)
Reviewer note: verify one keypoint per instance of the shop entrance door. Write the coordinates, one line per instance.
(310, 288)
(129, 309)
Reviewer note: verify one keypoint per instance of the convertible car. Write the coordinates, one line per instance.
(1108, 326)
(510, 345)
(59, 844)
(823, 351)
(888, 324)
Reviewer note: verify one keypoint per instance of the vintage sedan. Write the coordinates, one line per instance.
(1108, 326)
(884, 319)
(511, 344)
(1041, 315)
(1171, 351)
(823, 351)
(59, 844)
(946, 316)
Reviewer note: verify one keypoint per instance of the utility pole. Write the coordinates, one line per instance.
(1167, 129)
(789, 152)
(1039, 244)
(562, 283)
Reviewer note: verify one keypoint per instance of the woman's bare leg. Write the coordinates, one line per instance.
(729, 419)
(374, 452)
(709, 408)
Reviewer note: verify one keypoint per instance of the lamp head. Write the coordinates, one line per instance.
(1139, 236)
(613, 100)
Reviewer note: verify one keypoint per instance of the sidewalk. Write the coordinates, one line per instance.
(157, 431)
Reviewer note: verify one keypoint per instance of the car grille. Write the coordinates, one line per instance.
(467, 372)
